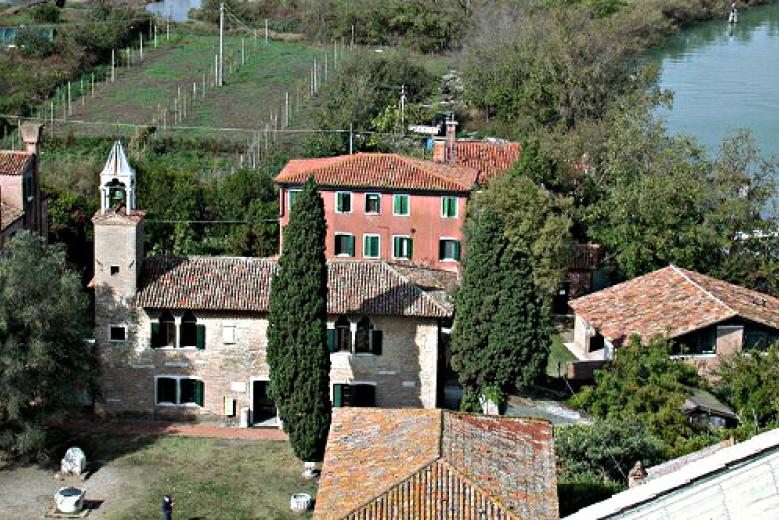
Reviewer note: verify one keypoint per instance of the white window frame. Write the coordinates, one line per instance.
(351, 200)
(225, 328)
(365, 203)
(289, 199)
(453, 239)
(122, 326)
(394, 195)
(343, 255)
(178, 391)
(456, 206)
(365, 236)
(393, 247)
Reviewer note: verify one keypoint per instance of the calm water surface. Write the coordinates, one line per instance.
(176, 10)
(725, 79)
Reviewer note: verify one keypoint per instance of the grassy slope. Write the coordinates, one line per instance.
(216, 479)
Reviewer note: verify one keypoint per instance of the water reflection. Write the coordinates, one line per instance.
(724, 78)
(175, 10)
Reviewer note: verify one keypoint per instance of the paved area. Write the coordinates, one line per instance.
(213, 431)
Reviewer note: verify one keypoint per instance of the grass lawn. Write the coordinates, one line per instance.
(558, 353)
(211, 478)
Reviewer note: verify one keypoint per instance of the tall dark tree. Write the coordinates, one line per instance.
(519, 340)
(476, 301)
(297, 342)
(44, 360)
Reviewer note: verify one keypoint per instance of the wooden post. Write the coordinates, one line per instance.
(155, 35)
(140, 35)
(113, 65)
(266, 30)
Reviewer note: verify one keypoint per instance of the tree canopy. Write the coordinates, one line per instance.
(297, 323)
(45, 361)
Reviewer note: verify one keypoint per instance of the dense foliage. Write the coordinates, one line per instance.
(45, 362)
(358, 97)
(501, 336)
(751, 385)
(297, 345)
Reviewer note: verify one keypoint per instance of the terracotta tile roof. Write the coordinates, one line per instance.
(9, 215)
(489, 158)
(671, 301)
(243, 284)
(379, 170)
(14, 163)
(386, 464)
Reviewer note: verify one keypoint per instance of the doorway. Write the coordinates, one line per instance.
(263, 408)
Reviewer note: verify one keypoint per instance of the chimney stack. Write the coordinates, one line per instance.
(31, 134)
(451, 139)
(636, 475)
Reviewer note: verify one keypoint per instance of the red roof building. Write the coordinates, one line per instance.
(383, 206)
(386, 464)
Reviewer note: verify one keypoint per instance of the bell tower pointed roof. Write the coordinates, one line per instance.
(117, 181)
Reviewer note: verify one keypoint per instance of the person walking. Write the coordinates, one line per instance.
(167, 507)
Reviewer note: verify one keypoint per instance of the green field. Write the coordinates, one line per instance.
(246, 99)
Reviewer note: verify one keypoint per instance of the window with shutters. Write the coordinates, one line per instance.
(449, 250)
(371, 246)
(357, 395)
(367, 340)
(343, 335)
(343, 202)
(402, 247)
(449, 207)
(344, 244)
(163, 333)
(179, 391)
(400, 205)
(372, 204)
(191, 334)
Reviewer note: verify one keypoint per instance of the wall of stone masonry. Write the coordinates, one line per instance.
(405, 374)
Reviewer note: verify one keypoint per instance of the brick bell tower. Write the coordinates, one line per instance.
(118, 228)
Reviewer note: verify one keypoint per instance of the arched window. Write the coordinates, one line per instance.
(343, 334)
(362, 338)
(167, 330)
(190, 333)
(116, 193)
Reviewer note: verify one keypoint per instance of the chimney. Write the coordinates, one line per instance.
(636, 475)
(451, 139)
(31, 134)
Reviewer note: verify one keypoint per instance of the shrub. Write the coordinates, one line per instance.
(33, 44)
(45, 13)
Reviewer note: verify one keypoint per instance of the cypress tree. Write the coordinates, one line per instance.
(518, 344)
(476, 301)
(297, 343)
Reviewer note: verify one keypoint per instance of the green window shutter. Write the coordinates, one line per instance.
(200, 392)
(337, 396)
(410, 248)
(456, 250)
(396, 247)
(201, 336)
(156, 341)
(445, 206)
(351, 245)
(404, 204)
(396, 201)
(441, 249)
(377, 338)
(331, 343)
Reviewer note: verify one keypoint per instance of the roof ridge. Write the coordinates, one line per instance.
(700, 288)
(408, 281)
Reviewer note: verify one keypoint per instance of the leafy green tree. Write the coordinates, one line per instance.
(751, 385)
(297, 344)
(500, 336)
(44, 359)
(643, 384)
(45, 13)
(606, 449)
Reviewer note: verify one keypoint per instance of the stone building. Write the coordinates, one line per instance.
(22, 205)
(187, 336)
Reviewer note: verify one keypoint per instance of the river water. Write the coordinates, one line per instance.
(726, 78)
(175, 10)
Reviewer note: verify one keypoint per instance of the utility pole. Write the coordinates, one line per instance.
(403, 108)
(286, 109)
(221, 42)
(351, 138)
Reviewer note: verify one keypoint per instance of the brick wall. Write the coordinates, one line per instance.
(405, 373)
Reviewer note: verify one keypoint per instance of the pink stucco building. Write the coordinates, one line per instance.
(382, 206)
